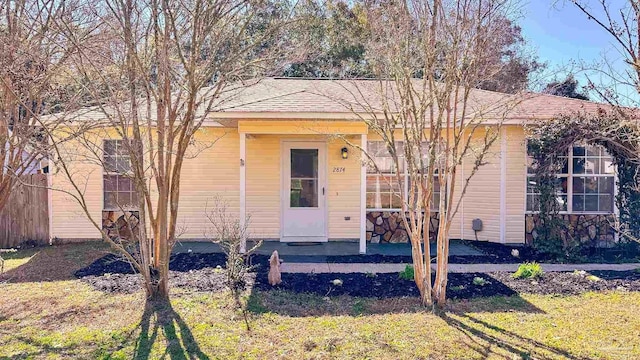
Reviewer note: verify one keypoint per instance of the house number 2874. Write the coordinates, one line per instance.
(338, 169)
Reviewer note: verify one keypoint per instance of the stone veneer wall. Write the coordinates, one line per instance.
(388, 227)
(116, 226)
(590, 230)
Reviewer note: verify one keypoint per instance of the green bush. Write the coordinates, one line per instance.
(407, 273)
(478, 281)
(530, 270)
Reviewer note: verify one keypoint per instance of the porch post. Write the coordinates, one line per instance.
(363, 196)
(243, 174)
(503, 184)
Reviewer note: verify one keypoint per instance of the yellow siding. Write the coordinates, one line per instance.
(68, 219)
(302, 127)
(515, 185)
(344, 191)
(482, 198)
(213, 174)
(264, 186)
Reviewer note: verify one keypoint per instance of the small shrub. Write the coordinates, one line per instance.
(457, 288)
(478, 281)
(531, 270)
(371, 275)
(579, 273)
(358, 307)
(593, 278)
(407, 273)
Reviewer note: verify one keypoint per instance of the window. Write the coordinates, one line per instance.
(383, 187)
(118, 186)
(585, 182)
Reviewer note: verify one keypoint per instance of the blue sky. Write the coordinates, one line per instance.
(561, 34)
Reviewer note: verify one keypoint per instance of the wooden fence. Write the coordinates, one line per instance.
(26, 215)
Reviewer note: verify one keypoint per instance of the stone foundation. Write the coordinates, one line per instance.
(388, 227)
(115, 223)
(590, 230)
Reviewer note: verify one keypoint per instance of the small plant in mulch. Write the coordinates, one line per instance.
(458, 288)
(478, 281)
(530, 270)
(407, 273)
(579, 273)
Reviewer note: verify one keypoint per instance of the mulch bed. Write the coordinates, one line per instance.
(183, 262)
(501, 254)
(198, 272)
(207, 279)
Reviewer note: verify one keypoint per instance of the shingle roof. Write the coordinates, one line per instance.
(298, 96)
(342, 99)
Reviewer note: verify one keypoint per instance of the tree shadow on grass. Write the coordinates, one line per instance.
(477, 330)
(303, 295)
(52, 263)
(180, 342)
(292, 304)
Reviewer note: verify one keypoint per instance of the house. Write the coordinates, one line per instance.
(278, 153)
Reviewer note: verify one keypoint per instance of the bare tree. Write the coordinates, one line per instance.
(230, 234)
(31, 64)
(155, 70)
(430, 57)
(621, 22)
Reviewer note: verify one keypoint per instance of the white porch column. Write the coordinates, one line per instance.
(503, 184)
(363, 196)
(243, 175)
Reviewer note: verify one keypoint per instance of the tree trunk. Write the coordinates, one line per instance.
(440, 284)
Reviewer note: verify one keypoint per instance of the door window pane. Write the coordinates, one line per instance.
(304, 163)
(304, 178)
(304, 193)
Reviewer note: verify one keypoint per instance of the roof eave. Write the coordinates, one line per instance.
(292, 115)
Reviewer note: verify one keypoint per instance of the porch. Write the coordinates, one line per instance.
(322, 252)
(300, 181)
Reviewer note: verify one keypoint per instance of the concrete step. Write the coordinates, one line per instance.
(453, 268)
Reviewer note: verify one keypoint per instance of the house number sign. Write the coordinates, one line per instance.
(338, 169)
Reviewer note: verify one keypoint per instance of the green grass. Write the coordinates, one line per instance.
(62, 319)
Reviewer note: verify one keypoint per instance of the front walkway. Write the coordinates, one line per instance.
(453, 268)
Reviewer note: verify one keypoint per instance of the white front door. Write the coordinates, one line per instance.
(303, 192)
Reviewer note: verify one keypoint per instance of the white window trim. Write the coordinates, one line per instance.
(570, 175)
(107, 173)
(405, 185)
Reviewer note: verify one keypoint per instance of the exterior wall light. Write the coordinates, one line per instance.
(345, 153)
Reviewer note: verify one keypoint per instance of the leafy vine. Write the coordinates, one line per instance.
(616, 132)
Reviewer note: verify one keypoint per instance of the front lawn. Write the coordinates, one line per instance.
(50, 314)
